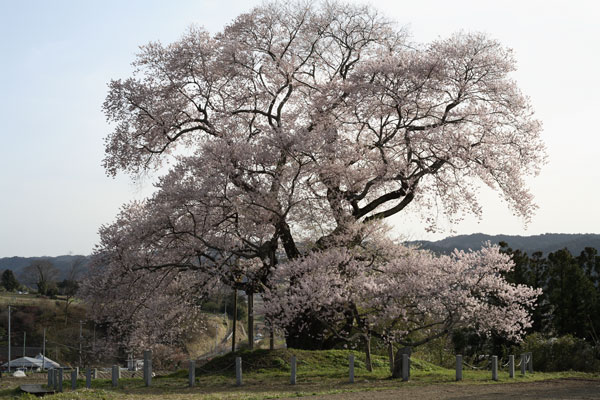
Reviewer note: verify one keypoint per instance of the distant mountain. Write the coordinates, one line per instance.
(546, 243)
(62, 263)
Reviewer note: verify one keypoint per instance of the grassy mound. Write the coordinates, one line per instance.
(325, 362)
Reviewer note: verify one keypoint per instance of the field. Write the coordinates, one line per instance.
(267, 373)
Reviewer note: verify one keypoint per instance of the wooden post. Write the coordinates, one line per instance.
(530, 362)
(511, 366)
(523, 363)
(61, 372)
(148, 367)
(459, 368)
(88, 378)
(192, 374)
(73, 380)
(495, 368)
(115, 375)
(351, 362)
(405, 367)
(50, 377)
(293, 377)
(238, 371)
(55, 379)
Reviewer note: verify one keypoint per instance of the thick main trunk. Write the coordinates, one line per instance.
(305, 333)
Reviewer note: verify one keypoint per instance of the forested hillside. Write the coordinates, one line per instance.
(64, 263)
(546, 243)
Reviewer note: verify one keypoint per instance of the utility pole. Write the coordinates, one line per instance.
(44, 351)
(80, 340)
(9, 339)
(24, 339)
(235, 301)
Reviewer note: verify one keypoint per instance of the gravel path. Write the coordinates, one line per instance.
(563, 389)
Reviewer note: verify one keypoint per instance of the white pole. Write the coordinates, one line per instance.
(44, 351)
(8, 339)
(80, 340)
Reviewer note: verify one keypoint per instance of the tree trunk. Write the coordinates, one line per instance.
(368, 363)
(305, 333)
(391, 356)
(272, 338)
(250, 320)
(233, 336)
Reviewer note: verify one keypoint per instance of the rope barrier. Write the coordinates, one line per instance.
(477, 368)
(215, 371)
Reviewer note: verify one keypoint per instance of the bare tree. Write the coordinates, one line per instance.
(41, 273)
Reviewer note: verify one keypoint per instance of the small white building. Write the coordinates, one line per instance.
(39, 362)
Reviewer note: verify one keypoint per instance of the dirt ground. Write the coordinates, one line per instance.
(564, 389)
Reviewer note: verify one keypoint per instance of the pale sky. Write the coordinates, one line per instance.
(56, 58)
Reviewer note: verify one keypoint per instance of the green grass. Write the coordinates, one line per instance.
(266, 375)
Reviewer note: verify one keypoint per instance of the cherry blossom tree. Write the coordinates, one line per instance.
(298, 121)
(399, 294)
(140, 310)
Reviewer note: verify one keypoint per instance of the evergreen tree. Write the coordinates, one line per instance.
(9, 281)
(572, 295)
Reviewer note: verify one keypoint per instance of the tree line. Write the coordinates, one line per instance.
(44, 277)
(570, 299)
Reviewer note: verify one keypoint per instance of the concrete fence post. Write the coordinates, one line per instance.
(238, 371)
(523, 363)
(61, 373)
(495, 368)
(115, 375)
(88, 378)
(148, 367)
(459, 368)
(192, 374)
(95, 373)
(74, 379)
(530, 362)
(511, 366)
(293, 377)
(351, 362)
(405, 367)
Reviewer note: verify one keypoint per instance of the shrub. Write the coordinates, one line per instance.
(562, 353)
